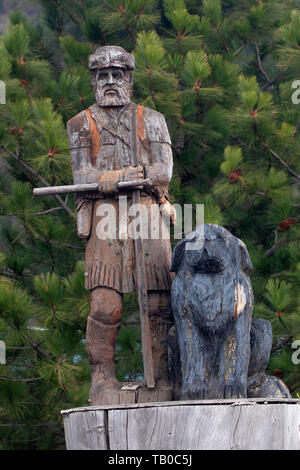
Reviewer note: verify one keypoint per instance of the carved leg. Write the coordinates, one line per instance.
(161, 320)
(102, 330)
(236, 386)
(259, 384)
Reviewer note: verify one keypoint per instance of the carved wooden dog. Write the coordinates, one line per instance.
(212, 303)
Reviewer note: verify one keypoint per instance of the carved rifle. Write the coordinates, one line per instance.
(79, 188)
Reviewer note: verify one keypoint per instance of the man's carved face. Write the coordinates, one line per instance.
(112, 86)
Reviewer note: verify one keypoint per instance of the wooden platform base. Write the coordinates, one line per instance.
(243, 424)
(131, 393)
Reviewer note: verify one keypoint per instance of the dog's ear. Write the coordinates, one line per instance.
(245, 261)
(178, 255)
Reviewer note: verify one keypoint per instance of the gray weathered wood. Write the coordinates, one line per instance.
(71, 188)
(223, 351)
(216, 425)
(141, 276)
(120, 145)
(82, 188)
(266, 427)
(85, 430)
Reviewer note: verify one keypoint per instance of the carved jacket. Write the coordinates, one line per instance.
(100, 142)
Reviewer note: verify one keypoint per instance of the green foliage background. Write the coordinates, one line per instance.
(221, 72)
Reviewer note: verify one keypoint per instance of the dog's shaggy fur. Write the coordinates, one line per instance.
(212, 303)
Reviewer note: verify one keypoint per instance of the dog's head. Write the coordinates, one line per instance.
(210, 249)
(211, 266)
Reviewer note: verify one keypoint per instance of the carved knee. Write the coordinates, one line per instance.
(106, 306)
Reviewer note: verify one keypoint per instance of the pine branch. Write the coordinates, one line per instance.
(280, 160)
(20, 364)
(22, 348)
(260, 64)
(273, 80)
(52, 431)
(297, 127)
(271, 151)
(262, 193)
(239, 141)
(128, 27)
(283, 343)
(242, 47)
(48, 211)
(68, 245)
(294, 387)
(23, 425)
(29, 340)
(271, 250)
(34, 403)
(221, 37)
(76, 20)
(13, 275)
(40, 178)
(16, 379)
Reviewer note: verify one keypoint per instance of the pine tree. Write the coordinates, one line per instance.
(222, 73)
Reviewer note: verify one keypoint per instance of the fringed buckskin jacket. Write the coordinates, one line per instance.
(100, 142)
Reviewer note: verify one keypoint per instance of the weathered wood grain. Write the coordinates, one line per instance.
(141, 395)
(141, 276)
(120, 146)
(241, 427)
(223, 351)
(85, 430)
(225, 401)
(217, 425)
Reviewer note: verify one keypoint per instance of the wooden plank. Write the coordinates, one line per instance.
(228, 427)
(141, 287)
(292, 423)
(127, 396)
(85, 430)
(117, 430)
(227, 401)
(141, 277)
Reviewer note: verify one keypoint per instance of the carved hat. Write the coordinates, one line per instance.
(111, 56)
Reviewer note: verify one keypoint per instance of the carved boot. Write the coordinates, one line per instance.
(100, 345)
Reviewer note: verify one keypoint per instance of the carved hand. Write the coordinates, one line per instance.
(133, 173)
(108, 182)
(168, 209)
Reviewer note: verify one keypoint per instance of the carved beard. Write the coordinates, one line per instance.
(113, 95)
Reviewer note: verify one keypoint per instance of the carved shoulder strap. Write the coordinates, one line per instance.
(141, 129)
(134, 132)
(95, 135)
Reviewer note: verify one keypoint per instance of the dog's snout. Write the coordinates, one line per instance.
(207, 263)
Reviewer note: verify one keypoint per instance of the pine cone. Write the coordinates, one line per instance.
(234, 175)
(16, 131)
(278, 373)
(286, 223)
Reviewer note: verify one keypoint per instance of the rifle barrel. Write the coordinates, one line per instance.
(72, 188)
(79, 188)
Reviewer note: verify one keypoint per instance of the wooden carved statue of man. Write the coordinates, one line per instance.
(102, 139)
